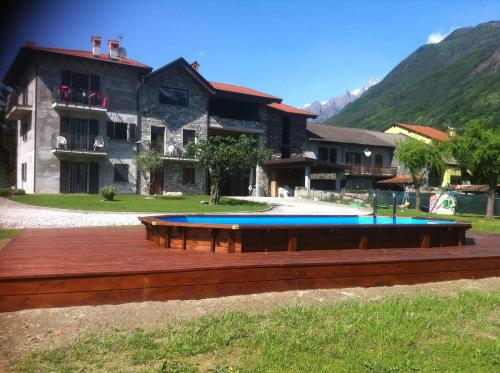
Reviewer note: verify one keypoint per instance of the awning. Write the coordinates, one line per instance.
(397, 180)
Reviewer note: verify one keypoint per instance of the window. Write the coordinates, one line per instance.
(323, 154)
(188, 136)
(353, 158)
(188, 175)
(24, 168)
(80, 88)
(379, 160)
(121, 173)
(24, 130)
(285, 152)
(133, 132)
(333, 155)
(174, 96)
(116, 130)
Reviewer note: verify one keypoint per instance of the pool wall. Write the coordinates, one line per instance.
(224, 238)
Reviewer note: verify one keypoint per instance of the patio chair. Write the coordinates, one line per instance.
(61, 142)
(98, 142)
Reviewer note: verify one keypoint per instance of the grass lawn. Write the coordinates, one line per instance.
(136, 203)
(8, 233)
(400, 334)
(479, 222)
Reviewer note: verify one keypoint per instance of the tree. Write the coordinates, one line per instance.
(477, 151)
(148, 162)
(225, 155)
(420, 158)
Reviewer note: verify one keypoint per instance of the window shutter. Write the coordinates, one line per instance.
(95, 83)
(110, 130)
(64, 177)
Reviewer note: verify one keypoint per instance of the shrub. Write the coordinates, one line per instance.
(108, 192)
(7, 192)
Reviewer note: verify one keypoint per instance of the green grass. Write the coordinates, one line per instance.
(479, 222)
(136, 203)
(8, 233)
(426, 332)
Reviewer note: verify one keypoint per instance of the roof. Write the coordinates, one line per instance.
(291, 110)
(189, 69)
(400, 179)
(353, 135)
(477, 188)
(88, 55)
(430, 132)
(231, 88)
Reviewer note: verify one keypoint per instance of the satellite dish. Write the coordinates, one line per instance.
(368, 152)
(122, 52)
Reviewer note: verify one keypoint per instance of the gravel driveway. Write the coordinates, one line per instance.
(15, 215)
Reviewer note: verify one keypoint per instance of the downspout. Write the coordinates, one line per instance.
(142, 79)
(35, 155)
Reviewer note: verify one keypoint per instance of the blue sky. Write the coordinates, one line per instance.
(298, 50)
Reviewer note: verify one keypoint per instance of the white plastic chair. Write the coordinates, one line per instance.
(98, 142)
(61, 142)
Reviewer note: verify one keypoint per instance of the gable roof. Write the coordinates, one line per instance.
(23, 59)
(231, 88)
(189, 69)
(352, 135)
(429, 132)
(291, 110)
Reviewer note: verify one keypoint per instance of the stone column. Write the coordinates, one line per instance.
(307, 178)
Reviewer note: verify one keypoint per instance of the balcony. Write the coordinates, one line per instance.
(78, 99)
(70, 143)
(220, 124)
(19, 105)
(361, 170)
(171, 152)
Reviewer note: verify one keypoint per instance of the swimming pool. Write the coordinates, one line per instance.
(253, 233)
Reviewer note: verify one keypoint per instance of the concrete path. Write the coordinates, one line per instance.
(295, 206)
(15, 215)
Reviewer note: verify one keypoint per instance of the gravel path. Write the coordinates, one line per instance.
(15, 215)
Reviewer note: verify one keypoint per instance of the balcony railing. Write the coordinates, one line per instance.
(19, 103)
(80, 98)
(79, 143)
(170, 151)
(362, 170)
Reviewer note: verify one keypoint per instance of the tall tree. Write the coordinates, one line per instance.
(225, 155)
(477, 151)
(420, 158)
(8, 145)
(148, 162)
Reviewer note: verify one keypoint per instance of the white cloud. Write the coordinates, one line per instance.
(436, 37)
(202, 53)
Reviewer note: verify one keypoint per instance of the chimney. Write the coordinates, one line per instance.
(113, 46)
(195, 65)
(96, 46)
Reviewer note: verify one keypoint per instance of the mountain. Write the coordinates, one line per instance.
(440, 85)
(326, 109)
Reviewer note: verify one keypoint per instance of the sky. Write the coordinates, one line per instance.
(298, 50)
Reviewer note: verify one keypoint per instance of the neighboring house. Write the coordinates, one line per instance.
(452, 174)
(363, 157)
(83, 115)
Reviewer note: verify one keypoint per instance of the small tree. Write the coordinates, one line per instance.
(478, 152)
(148, 162)
(223, 156)
(420, 158)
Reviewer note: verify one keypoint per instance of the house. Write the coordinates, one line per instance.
(82, 116)
(452, 173)
(363, 156)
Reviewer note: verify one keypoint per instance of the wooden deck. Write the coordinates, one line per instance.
(89, 266)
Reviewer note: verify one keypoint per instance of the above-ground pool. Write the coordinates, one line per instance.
(252, 233)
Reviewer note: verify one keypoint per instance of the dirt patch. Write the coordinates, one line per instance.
(4, 242)
(25, 331)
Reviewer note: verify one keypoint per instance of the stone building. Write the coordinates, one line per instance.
(82, 116)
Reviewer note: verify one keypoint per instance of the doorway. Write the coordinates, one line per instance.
(157, 184)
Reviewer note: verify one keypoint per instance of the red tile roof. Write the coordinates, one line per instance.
(88, 55)
(426, 131)
(397, 180)
(242, 90)
(291, 110)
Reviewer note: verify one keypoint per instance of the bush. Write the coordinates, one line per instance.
(108, 192)
(7, 192)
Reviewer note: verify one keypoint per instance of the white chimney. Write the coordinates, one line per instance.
(195, 65)
(113, 46)
(96, 46)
